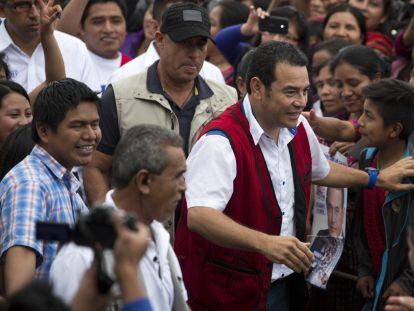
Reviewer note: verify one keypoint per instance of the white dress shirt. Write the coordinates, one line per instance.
(212, 185)
(72, 261)
(142, 62)
(29, 72)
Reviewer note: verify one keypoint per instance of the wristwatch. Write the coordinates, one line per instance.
(373, 174)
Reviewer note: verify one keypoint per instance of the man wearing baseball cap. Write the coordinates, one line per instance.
(185, 21)
(170, 93)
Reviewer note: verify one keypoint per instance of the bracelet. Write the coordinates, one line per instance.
(373, 175)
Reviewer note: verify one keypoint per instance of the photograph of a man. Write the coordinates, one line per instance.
(328, 243)
(335, 198)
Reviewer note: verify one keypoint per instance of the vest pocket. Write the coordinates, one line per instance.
(228, 287)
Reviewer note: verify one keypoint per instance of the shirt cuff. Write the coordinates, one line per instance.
(219, 206)
(141, 304)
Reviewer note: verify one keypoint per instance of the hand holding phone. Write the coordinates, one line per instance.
(273, 24)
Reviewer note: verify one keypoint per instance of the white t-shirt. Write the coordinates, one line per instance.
(212, 185)
(142, 62)
(105, 67)
(30, 71)
(72, 261)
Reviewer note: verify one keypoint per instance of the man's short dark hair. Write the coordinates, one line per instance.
(266, 57)
(54, 101)
(120, 3)
(395, 102)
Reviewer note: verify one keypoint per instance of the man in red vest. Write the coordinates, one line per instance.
(241, 241)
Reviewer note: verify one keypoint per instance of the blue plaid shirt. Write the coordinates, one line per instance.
(37, 189)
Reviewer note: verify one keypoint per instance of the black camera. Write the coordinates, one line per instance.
(91, 229)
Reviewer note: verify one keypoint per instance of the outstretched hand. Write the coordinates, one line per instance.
(312, 118)
(391, 177)
(340, 146)
(49, 13)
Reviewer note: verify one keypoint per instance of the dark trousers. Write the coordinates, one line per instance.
(278, 296)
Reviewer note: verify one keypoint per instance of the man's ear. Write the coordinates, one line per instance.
(159, 39)
(81, 33)
(153, 27)
(43, 131)
(396, 130)
(143, 181)
(256, 88)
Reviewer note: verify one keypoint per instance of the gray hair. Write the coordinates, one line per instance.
(142, 147)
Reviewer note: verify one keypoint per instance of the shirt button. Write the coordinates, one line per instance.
(283, 213)
(283, 183)
(283, 275)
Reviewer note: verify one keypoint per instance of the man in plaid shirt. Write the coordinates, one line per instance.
(42, 187)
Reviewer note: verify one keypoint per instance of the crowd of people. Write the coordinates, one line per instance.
(200, 126)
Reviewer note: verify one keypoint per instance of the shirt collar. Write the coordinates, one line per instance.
(285, 134)
(203, 91)
(151, 55)
(161, 236)
(54, 166)
(5, 39)
(109, 200)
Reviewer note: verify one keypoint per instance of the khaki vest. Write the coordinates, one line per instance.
(136, 105)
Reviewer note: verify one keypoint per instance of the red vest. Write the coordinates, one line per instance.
(220, 278)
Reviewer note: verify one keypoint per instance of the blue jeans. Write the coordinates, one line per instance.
(278, 296)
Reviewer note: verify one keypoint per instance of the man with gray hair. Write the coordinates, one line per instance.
(147, 172)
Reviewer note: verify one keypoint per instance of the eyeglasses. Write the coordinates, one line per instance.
(23, 6)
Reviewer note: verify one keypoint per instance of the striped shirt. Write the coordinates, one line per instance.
(37, 189)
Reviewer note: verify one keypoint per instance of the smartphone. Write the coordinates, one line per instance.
(274, 24)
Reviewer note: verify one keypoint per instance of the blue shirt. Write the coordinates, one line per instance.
(37, 189)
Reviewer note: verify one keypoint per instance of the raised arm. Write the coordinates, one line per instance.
(71, 17)
(54, 65)
(229, 40)
(331, 128)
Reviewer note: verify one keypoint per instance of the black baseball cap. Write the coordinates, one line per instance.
(185, 20)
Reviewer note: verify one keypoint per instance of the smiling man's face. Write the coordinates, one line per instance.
(104, 29)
